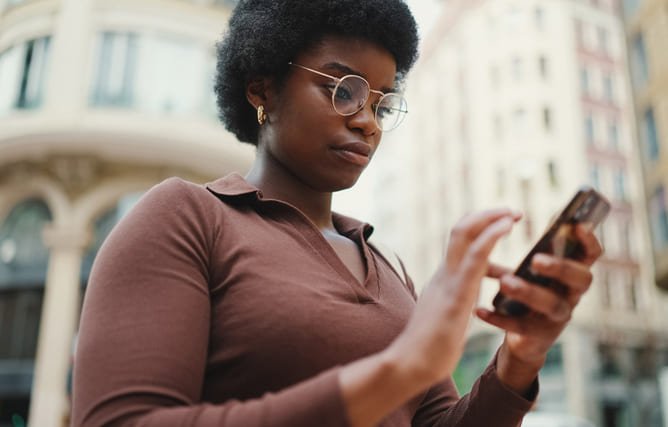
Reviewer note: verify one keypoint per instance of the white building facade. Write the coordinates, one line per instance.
(518, 103)
(99, 101)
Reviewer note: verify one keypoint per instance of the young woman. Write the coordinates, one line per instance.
(248, 302)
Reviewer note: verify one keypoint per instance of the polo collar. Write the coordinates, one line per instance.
(235, 186)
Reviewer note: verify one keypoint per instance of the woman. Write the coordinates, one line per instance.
(247, 302)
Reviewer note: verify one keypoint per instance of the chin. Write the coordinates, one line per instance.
(339, 181)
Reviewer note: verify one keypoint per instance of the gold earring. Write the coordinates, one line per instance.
(261, 115)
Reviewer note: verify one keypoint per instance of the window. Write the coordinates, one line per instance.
(639, 64)
(155, 74)
(608, 87)
(625, 237)
(603, 40)
(547, 119)
(22, 75)
(650, 136)
(590, 133)
(228, 3)
(23, 264)
(613, 135)
(116, 70)
(659, 218)
(631, 7)
(579, 32)
(595, 176)
(552, 174)
(606, 299)
(584, 81)
(542, 65)
(620, 184)
(554, 361)
(539, 18)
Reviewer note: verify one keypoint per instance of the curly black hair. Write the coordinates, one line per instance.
(264, 35)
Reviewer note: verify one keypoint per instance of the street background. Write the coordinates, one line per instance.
(512, 103)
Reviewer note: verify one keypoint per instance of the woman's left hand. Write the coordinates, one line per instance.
(529, 338)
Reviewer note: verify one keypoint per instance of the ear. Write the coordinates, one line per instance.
(259, 91)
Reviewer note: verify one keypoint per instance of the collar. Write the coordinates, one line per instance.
(235, 186)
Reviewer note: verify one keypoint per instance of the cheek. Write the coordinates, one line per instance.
(309, 108)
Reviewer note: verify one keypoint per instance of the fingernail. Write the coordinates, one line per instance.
(541, 260)
(510, 282)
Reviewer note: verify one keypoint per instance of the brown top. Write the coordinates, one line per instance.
(220, 308)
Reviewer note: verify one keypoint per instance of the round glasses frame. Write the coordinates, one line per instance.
(402, 101)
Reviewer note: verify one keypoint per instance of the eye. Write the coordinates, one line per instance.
(382, 111)
(342, 93)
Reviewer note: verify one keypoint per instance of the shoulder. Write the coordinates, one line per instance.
(176, 190)
(174, 207)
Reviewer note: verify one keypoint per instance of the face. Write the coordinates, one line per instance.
(305, 136)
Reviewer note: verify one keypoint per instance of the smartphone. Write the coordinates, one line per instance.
(587, 206)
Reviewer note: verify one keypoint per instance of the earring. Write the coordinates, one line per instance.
(261, 115)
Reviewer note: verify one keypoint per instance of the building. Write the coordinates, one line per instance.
(519, 103)
(99, 100)
(647, 30)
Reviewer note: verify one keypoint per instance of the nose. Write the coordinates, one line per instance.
(364, 120)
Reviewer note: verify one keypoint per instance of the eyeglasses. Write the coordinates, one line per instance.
(351, 92)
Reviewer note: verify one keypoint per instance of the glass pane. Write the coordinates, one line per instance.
(36, 58)
(11, 67)
(650, 135)
(23, 256)
(115, 70)
(164, 85)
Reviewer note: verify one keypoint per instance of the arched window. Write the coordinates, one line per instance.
(23, 264)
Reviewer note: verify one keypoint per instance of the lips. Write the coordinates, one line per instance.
(354, 152)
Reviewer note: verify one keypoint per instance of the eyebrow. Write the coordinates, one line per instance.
(347, 70)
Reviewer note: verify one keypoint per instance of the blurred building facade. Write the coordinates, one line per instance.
(519, 103)
(99, 100)
(647, 32)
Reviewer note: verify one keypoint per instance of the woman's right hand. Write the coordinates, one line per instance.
(432, 343)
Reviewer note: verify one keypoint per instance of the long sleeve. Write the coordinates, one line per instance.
(145, 328)
(490, 403)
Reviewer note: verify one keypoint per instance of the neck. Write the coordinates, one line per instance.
(277, 182)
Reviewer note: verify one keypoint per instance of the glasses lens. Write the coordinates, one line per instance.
(350, 95)
(391, 111)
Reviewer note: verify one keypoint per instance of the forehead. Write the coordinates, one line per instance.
(366, 58)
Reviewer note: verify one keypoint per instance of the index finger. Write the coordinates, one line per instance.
(469, 227)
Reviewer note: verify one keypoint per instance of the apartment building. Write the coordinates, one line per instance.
(519, 103)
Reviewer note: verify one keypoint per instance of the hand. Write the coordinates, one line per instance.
(433, 341)
(529, 338)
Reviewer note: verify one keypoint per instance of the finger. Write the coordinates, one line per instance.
(592, 247)
(575, 275)
(519, 325)
(539, 299)
(478, 252)
(495, 271)
(469, 227)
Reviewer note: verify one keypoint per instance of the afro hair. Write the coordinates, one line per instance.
(264, 35)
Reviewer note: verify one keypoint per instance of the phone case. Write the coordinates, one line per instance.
(587, 206)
